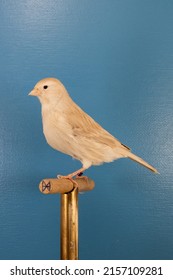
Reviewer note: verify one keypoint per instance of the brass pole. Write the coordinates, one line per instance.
(69, 226)
(73, 224)
(64, 227)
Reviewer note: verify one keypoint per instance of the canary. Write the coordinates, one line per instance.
(68, 129)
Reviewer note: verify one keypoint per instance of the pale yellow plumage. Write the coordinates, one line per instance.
(67, 128)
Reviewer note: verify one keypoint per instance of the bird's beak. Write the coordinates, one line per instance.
(34, 92)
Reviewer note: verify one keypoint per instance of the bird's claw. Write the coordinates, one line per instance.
(69, 178)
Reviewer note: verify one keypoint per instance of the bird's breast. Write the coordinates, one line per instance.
(58, 134)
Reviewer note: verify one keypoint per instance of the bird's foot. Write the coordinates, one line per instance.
(76, 174)
(69, 178)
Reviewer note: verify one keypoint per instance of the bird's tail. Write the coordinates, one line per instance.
(126, 152)
(141, 161)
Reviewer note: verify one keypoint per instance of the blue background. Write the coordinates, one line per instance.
(116, 60)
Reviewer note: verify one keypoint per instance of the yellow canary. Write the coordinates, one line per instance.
(68, 129)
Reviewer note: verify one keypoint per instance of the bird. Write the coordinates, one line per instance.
(70, 130)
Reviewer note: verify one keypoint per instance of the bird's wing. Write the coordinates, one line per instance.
(83, 125)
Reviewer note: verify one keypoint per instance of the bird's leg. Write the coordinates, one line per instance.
(69, 178)
(71, 175)
(77, 173)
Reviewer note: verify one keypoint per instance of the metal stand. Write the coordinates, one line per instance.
(69, 211)
(69, 225)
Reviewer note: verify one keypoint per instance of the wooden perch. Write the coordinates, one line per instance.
(55, 185)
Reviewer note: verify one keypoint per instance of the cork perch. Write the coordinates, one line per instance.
(69, 210)
(55, 185)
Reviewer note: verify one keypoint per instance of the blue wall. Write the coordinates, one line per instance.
(116, 60)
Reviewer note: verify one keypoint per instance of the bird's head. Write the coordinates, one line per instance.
(49, 90)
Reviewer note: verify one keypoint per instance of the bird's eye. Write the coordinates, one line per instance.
(45, 87)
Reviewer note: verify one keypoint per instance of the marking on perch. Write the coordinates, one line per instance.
(46, 186)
